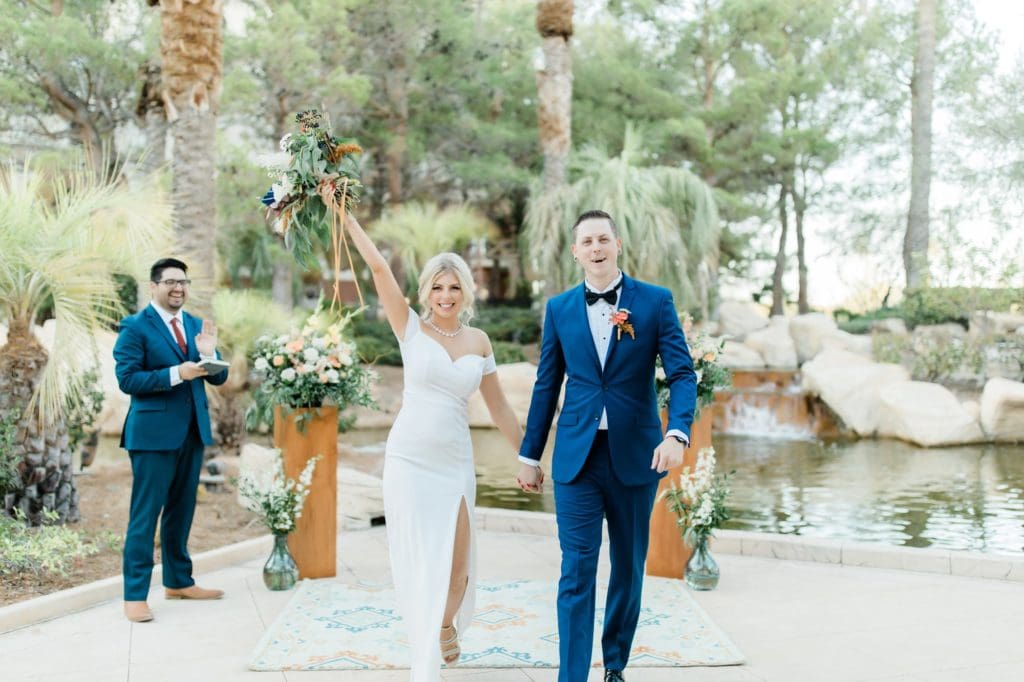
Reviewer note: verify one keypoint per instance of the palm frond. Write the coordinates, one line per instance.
(242, 317)
(65, 234)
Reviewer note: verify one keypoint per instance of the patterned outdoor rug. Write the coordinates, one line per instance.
(331, 626)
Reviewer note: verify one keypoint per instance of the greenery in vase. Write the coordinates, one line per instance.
(317, 366)
(276, 499)
(699, 501)
(712, 375)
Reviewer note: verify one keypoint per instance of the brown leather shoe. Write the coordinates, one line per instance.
(137, 611)
(193, 592)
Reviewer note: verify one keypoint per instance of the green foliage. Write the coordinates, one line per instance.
(63, 238)
(666, 218)
(44, 549)
(242, 317)
(9, 478)
(507, 353)
(83, 407)
(418, 231)
(938, 360)
(515, 324)
(375, 341)
(955, 304)
(1009, 351)
(891, 348)
(860, 323)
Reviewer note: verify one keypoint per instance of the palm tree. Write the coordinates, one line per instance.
(63, 237)
(191, 53)
(418, 231)
(667, 219)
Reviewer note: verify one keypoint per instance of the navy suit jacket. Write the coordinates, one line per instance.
(625, 388)
(160, 415)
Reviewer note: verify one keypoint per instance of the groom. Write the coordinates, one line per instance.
(609, 452)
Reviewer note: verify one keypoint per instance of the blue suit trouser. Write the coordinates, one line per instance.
(164, 484)
(580, 507)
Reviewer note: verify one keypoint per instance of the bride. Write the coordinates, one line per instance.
(429, 477)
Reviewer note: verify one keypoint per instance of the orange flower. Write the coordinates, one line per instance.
(278, 360)
(294, 346)
(709, 356)
(621, 320)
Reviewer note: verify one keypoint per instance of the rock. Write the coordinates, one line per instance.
(849, 384)
(942, 333)
(889, 325)
(972, 407)
(517, 380)
(1002, 410)
(360, 498)
(255, 460)
(854, 343)
(986, 323)
(807, 332)
(736, 355)
(739, 318)
(388, 394)
(926, 414)
(775, 344)
(1019, 331)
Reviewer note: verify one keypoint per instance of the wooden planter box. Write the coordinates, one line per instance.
(313, 543)
(667, 554)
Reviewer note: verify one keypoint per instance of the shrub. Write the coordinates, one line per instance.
(375, 342)
(955, 304)
(505, 352)
(48, 549)
(509, 323)
(9, 479)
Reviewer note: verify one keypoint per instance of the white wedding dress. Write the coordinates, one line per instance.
(428, 471)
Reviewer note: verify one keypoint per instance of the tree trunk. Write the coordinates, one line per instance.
(281, 284)
(922, 86)
(41, 451)
(778, 292)
(554, 99)
(396, 83)
(152, 118)
(799, 208)
(190, 45)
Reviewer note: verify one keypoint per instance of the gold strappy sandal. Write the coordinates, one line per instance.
(450, 649)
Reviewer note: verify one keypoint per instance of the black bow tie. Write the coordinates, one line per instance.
(612, 295)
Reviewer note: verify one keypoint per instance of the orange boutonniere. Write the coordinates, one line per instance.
(621, 320)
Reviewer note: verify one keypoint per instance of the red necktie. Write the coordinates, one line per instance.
(178, 336)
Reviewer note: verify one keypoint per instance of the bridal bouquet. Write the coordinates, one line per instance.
(699, 500)
(712, 375)
(276, 499)
(313, 367)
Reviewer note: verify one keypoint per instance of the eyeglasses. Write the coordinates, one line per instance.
(174, 283)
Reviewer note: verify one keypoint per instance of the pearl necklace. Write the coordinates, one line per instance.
(450, 335)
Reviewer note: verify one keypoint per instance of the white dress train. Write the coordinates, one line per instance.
(428, 471)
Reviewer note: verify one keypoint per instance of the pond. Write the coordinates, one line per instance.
(966, 498)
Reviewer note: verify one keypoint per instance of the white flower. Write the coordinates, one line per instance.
(333, 376)
(307, 368)
(285, 141)
(279, 192)
(320, 342)
(659, 373)
(288, 374)
(310, 354)
(261, 364)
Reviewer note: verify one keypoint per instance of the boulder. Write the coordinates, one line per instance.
(854, 343)
(1002, 410)
(942, 333)
(808, 331)
(517, 380)
(739, 318)
(360, 498)
(736, 355)
(986, 323)
(889, 325)
(925, 414)
(774, 343)
(849, 384)
(256, 460)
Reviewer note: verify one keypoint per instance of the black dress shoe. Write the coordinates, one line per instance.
(613, 676)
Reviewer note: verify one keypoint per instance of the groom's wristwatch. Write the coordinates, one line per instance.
(678, 438)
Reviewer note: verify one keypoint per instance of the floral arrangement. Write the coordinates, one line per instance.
(712, 376)
(311, 368)
(699, 500)
(277, 500)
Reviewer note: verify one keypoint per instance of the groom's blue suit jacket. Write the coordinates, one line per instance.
(625, 387)
(160, 415)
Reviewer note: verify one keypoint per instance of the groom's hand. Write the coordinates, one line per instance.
(667, 455)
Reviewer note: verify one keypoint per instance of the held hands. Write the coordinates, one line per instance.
(206, 340)
(530, 479)
(667, 455)
(191, 370)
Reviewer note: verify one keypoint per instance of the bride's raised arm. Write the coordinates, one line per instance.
(395, 307)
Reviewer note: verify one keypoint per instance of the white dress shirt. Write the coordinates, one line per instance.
(167, 316)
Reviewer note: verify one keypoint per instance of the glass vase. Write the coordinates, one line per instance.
(280, 571)
(701, 571)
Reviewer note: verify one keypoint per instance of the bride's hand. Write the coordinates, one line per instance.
(530, 479)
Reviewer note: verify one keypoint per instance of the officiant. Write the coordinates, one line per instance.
(164, 356)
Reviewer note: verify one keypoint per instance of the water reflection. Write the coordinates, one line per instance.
(968, 498)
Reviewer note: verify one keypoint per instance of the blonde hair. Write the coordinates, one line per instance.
(440, 264)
